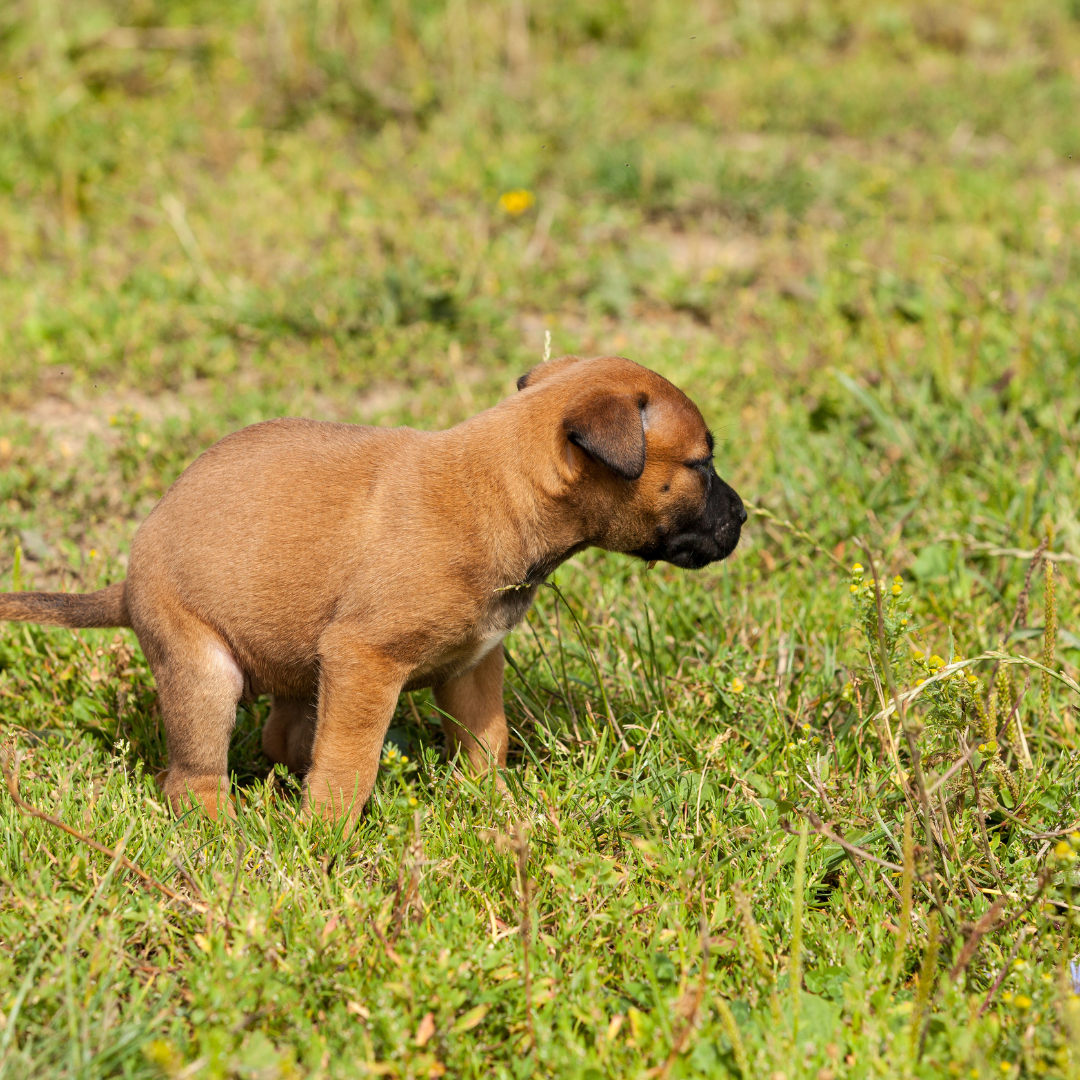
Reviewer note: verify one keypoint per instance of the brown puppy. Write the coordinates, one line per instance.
(334, 566)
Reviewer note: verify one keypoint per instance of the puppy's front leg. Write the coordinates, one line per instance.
(358, 689)
(475, 701)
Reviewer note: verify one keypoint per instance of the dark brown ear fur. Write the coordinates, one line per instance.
(609, 428)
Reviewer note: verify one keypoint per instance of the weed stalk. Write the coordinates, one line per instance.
(909, 734)
(797, 926)
(731, 1029)
(757, 949)
(907, 880)
(926, 982)
(1049, 642)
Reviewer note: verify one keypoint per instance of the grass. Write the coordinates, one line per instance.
(851, 234)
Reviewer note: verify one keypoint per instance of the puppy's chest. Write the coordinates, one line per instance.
(501, 615)
(495, 622)
(507, 608)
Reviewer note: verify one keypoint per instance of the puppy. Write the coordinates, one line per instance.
(333, 566)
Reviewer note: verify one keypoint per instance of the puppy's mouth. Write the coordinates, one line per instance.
(692, 551)
(714, 536)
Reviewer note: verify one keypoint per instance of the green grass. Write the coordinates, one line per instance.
(851, 234)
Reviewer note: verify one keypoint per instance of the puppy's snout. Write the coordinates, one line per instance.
(738, 511)
(729, 520)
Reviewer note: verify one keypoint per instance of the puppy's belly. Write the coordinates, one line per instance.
(290, 683)
(294, 683)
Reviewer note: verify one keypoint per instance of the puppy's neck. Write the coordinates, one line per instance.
(503, 462)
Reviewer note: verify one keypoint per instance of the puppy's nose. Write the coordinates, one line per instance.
(741, 513)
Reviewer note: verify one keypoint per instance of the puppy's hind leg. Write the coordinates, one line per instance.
(475, 701)
(199, 684)
(289, 733)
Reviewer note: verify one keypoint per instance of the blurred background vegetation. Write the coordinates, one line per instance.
(246, 208)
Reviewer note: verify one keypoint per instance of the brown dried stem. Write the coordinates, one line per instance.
(11, 778)
(1006, 968)
(521, 844)
(823, 830)
(987, 850)
(983, 926)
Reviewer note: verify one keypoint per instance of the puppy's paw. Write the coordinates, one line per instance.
(332, 800)
(209, 793)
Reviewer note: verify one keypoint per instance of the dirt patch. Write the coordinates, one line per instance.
(696, 253)
(68, 424)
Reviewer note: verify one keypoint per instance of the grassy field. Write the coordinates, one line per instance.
(852, 234)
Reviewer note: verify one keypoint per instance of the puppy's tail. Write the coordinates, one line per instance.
(107, 607)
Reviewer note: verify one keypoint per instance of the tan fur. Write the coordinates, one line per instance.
(333, 566)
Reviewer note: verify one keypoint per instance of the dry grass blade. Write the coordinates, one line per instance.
(908, 696)
(387, 947)
(986, 548)
(1049, 643)
(406, 893)
(987, 850)
(521, 846)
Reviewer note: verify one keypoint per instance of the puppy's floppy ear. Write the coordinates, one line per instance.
(609, 428)
(546, 370)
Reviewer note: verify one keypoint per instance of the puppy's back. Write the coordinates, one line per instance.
(265, 531)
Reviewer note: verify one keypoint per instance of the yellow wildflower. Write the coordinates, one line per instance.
(736, 686)
(515, 203)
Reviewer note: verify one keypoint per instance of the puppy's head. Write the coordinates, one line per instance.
(638, 461)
